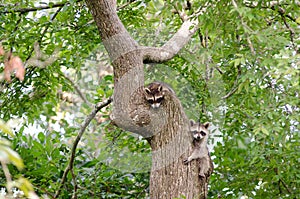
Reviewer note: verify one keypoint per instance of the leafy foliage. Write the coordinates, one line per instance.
(240, 72)
(9, 156)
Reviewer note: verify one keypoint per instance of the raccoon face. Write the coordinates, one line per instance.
(154, 94)
(199, 131)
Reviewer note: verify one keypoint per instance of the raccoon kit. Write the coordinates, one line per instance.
(155, 93)
(200, 151)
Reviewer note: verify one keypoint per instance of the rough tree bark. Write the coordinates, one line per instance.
(166, 128)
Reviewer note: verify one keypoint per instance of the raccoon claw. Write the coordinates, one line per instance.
(201, 175)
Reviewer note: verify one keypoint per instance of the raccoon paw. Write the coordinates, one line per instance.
(186, 161)
(201, 175)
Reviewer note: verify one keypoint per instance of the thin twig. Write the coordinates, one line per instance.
(74, 196)
(245, 27)
(76, 88)
(292, 32)
(275, 7)
(282, 12)
(87, 121)
(45, 190)
(26, 10)
(39, 41)
(15, 29)
(41, 37)
(231, 92)
(219, 69)
(285, 186)
(7, 176)
(183, 16)
(283, 183)
(235, 86)
(125, 5)
(44, 32)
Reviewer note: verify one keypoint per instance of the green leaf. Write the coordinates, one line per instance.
(24, 185)
(41, 137)
(5, 128)
(11, 156)
(264, 130)
(298, 20)
(241, 144)
(4, 142)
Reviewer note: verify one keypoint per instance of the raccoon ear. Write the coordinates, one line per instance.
(160, 88)
(206, 125)
(147, 90)
(192, 122)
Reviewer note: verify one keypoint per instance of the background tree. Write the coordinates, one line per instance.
(240, 71)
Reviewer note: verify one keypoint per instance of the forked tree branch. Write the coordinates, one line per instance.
(168, 127)
(87, 121)
(40, 60)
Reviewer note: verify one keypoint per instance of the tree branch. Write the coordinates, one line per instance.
(125, 5)
(245, 27)
(178, 41)
(44, 32)
(7, 176)
(183, 16)
(283, 183)
(235, 86)
(118, 9)
(76, 88)
(25, 10)
(285, 186)
(173, 46)
(275, 6)
(87, 121)
(291, 30)
(74, 196)
(41, 60)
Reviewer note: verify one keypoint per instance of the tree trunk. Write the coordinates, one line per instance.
(167, 128)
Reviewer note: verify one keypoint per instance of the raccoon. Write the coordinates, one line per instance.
(200, 135)
(155, 93)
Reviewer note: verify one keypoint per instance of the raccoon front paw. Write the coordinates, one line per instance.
(201, 175)
(186, 161)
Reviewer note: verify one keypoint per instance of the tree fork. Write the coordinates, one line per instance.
(167, 128)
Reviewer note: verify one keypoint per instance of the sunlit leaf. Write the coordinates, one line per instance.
(12, 156)
(5, 128)
(265, 131)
